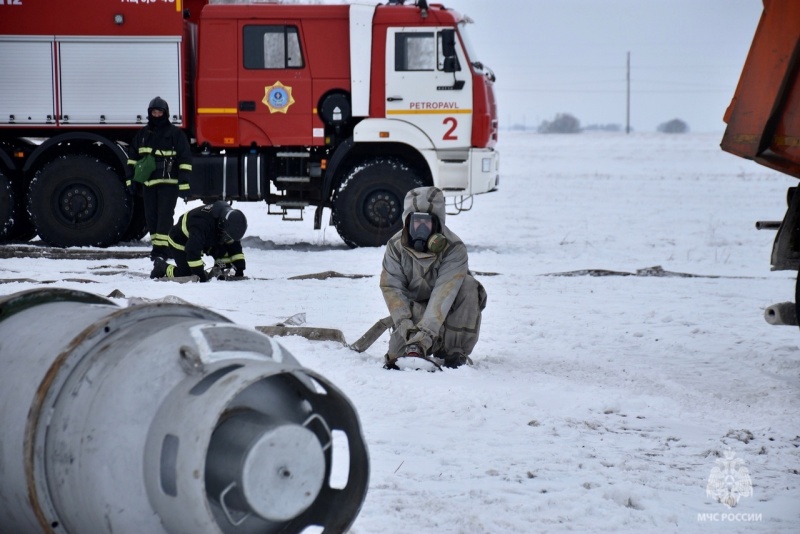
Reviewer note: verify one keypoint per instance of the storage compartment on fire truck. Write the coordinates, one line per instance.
(99, 80)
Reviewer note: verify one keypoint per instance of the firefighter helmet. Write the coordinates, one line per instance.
(234, 225)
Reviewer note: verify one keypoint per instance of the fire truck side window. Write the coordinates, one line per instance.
(272, 47)
(414, 51)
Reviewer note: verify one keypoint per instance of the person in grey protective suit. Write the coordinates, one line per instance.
(434, 301)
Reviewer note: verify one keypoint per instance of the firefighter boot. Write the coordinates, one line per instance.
(456, 360)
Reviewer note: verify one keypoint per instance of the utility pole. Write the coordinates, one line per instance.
(628, 98)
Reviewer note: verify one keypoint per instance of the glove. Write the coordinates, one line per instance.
(406, 328)
(238, 273)
(183, 193)
(215, 272)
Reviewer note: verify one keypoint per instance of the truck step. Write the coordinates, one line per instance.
(285, 206)
(293, 179)
(291, 204)
(293, 155)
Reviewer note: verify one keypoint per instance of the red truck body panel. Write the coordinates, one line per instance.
(140, 17)
(223, 83)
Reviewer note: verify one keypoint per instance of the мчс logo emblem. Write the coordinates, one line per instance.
(729, 480)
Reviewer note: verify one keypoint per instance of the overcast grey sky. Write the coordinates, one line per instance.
(569, 56)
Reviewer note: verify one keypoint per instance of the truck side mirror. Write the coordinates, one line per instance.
(450, 64)
(448, 43)
(449, 51)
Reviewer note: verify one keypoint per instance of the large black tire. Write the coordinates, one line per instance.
(368, 208)
(78, 201)
(138, 227)
(6, 206)
(15, 223)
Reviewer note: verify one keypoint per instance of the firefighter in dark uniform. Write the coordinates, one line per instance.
(170, 179)
(215, 230)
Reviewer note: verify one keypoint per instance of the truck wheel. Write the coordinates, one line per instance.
(368, 208)
(6, 206)
(15, 223)
(138, 227)
(79, 201)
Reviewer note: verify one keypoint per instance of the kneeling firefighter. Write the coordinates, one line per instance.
(214, 230)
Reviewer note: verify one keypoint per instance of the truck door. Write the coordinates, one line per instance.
(275, 105)
(427, 88)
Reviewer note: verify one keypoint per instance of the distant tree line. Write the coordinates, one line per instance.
(673, 126)
(603, 128)
(565, 123)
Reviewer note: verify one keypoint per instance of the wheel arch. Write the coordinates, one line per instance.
(350, 154)
(91, 144)
(368, 205)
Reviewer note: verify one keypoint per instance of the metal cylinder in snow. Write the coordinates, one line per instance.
(165, 418)
(272, 468)
(782, 313)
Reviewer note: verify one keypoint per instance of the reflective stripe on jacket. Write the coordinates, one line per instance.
(169, 146)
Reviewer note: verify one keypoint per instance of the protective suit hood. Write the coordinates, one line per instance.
(158, 103)
(424, 200)
(163, 120)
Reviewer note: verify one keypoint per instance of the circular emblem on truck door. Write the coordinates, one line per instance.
(278, 97)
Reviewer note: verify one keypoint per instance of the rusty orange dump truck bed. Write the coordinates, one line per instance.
(764, 126)
(764, 116)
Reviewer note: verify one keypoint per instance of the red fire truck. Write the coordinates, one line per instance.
(345, 107)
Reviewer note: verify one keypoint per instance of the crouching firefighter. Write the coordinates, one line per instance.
(215, 230)
(434, 301)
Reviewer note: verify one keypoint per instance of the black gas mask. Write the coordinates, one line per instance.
(422, 233)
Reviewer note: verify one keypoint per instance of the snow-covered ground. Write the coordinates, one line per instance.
(596, 403)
